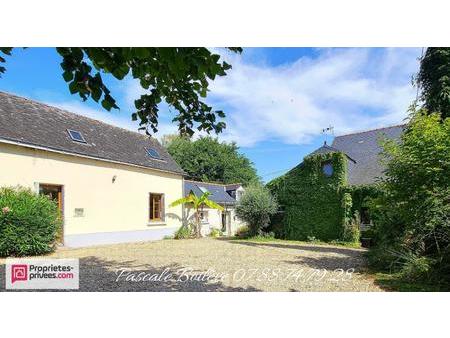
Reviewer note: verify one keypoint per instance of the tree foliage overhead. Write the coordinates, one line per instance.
(179, 76)
(434, 80)
(209, 160)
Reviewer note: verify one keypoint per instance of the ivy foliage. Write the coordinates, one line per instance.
(179, 76)
(313, 204)
(209, 160)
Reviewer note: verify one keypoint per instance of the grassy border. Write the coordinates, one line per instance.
(261, 239)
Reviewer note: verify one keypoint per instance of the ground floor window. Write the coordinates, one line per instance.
(52, 191)
(156, 207)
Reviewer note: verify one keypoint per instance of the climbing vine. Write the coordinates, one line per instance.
(314, 204)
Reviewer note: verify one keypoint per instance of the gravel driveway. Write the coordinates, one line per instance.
(218, 265)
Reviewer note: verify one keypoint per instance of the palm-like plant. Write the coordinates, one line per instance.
(197, 203)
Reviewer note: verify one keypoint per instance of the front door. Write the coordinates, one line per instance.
(226, 223)
(55, 193)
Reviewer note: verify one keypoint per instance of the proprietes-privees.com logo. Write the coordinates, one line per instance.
(42, 274)
(24, 272)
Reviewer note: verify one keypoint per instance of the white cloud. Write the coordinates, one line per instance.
(351, 89)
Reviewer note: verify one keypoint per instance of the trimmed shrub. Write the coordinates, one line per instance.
(255, 208)
(28, 222)
(184, 232)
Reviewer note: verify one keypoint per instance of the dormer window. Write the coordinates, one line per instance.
(153, 153)
(76, 136)
(327, 169)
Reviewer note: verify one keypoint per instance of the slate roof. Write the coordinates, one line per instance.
(218, 192)
(364, 148)
(325, 149)
(36, 124)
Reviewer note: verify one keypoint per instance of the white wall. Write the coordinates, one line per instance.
(108, 207)
(215, 220)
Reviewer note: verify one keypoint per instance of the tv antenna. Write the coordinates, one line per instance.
(328, 131)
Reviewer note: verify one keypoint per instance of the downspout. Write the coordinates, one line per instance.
(183, 211)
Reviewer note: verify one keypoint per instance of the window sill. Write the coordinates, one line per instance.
(151, 223)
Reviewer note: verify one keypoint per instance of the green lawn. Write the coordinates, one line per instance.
(262, 239)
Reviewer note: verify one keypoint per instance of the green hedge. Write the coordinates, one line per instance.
(314, 205)
(28, 223)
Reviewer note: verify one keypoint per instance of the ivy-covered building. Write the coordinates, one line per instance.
(319, 196)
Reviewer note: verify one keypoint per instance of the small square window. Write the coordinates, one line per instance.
(327, 169)
(76, 136)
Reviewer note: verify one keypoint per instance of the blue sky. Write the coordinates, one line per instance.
(277, 100)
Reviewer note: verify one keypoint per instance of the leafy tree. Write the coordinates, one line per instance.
(197, 203)
(255, 208)
(207, 159)
(412, 218)
(180, 76)
(434, 80)
(166, 140)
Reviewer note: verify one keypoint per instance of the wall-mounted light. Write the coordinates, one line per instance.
(114, 178)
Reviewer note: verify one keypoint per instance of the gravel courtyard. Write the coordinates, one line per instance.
(218, 265)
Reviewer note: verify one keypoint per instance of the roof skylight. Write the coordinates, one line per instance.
(203, 189)
(152, 152)
(76, 136)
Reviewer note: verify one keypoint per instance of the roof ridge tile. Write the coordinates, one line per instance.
(371, 130)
